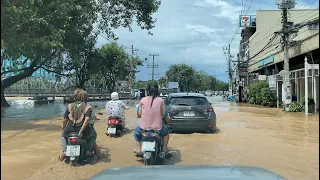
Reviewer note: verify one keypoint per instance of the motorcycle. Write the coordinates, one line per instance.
(115, 127)
(152, 147)
(77, 150)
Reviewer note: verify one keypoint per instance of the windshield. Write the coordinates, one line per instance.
(217, 82)
(191, 101)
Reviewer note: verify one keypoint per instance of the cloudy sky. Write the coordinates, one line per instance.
(192, 32)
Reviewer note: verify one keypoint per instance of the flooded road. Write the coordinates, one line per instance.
(285, 143)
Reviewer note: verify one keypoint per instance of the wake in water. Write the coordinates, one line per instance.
(22, 103)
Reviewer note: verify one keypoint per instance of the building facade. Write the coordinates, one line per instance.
(266, 56)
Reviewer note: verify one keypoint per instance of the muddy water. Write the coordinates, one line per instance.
(286, 144)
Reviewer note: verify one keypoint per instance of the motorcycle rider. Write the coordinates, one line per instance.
(116, 107)
(79, 121)
(151, 111)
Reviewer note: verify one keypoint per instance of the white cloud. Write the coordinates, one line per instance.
(225, 9)
(198, 29)
(189, 31)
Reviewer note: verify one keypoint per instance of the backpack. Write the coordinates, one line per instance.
(77, 111)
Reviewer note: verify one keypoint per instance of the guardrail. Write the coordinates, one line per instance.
(52, 92)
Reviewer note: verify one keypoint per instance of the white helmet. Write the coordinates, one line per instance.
(114, 96)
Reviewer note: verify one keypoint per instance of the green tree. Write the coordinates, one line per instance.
(43, 31)
(191, 80)
(114, 64)
(182, 73)
(163, 82)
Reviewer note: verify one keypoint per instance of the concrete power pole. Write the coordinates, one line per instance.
(285, 5)
(153, 66)
(132, 71)
(229, 59)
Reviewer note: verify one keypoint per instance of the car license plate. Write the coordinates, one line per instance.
(111, 130)
(73, 150)
(189, 113)
(148, 146)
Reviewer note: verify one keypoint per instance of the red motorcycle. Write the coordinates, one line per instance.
(115, 127)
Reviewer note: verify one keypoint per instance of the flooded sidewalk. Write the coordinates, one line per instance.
(285, 143)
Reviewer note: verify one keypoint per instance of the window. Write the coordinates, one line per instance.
(191, 101)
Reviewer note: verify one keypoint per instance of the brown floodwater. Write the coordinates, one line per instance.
(284, 143)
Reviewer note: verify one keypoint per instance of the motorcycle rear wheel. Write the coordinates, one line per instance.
(148, 162)
(73, 163)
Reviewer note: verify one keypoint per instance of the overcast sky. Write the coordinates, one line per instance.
(192, 32)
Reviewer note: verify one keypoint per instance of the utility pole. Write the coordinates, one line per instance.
(229, 59)
(285, 5)
(153, 66)
(132, 71)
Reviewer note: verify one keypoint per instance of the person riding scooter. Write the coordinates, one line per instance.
(86, 128)
(116, 107)
(151, 112)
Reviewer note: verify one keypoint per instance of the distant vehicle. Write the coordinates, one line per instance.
(190, 112)
(208, 93)
(166, 92)
(178, 172)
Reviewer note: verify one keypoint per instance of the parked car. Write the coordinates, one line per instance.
(208, 93)
(190, 112)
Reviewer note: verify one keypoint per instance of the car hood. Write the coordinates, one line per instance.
(187, 173)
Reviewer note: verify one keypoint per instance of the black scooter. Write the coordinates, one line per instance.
(152, 147)
(77, 150)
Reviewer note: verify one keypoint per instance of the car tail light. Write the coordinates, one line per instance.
(73, 139)
(209, 125)
(119, 121)
(208, 110)
(169, 125)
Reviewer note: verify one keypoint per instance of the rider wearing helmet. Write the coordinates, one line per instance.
(116, 107)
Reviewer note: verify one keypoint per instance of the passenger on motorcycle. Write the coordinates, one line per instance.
(151, 111)
(116, 107)
(166, 117)
(77, 118)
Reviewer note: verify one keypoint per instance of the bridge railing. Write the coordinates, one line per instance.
(54, 91)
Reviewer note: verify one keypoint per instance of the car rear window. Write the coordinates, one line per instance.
(191, 101)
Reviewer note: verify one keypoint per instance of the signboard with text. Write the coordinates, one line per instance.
(266, 61)
(272, 80)
(247, 21)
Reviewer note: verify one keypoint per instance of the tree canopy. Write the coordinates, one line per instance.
(55, 35)
(191, 80)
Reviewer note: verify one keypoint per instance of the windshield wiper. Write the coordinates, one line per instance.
(184, 104)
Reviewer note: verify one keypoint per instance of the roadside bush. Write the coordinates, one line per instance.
(295, 107)
(251, 100)
(310, 101)
(265, 96)
(311, 104)
(260, 93)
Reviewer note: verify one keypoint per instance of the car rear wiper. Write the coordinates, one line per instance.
(184, 104)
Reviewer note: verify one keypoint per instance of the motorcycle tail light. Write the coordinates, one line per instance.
(112, 121)
(119, 122)
(73, 140)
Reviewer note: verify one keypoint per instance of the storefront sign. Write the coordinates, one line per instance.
(266, 61)
(247, 21)
(272, 80)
